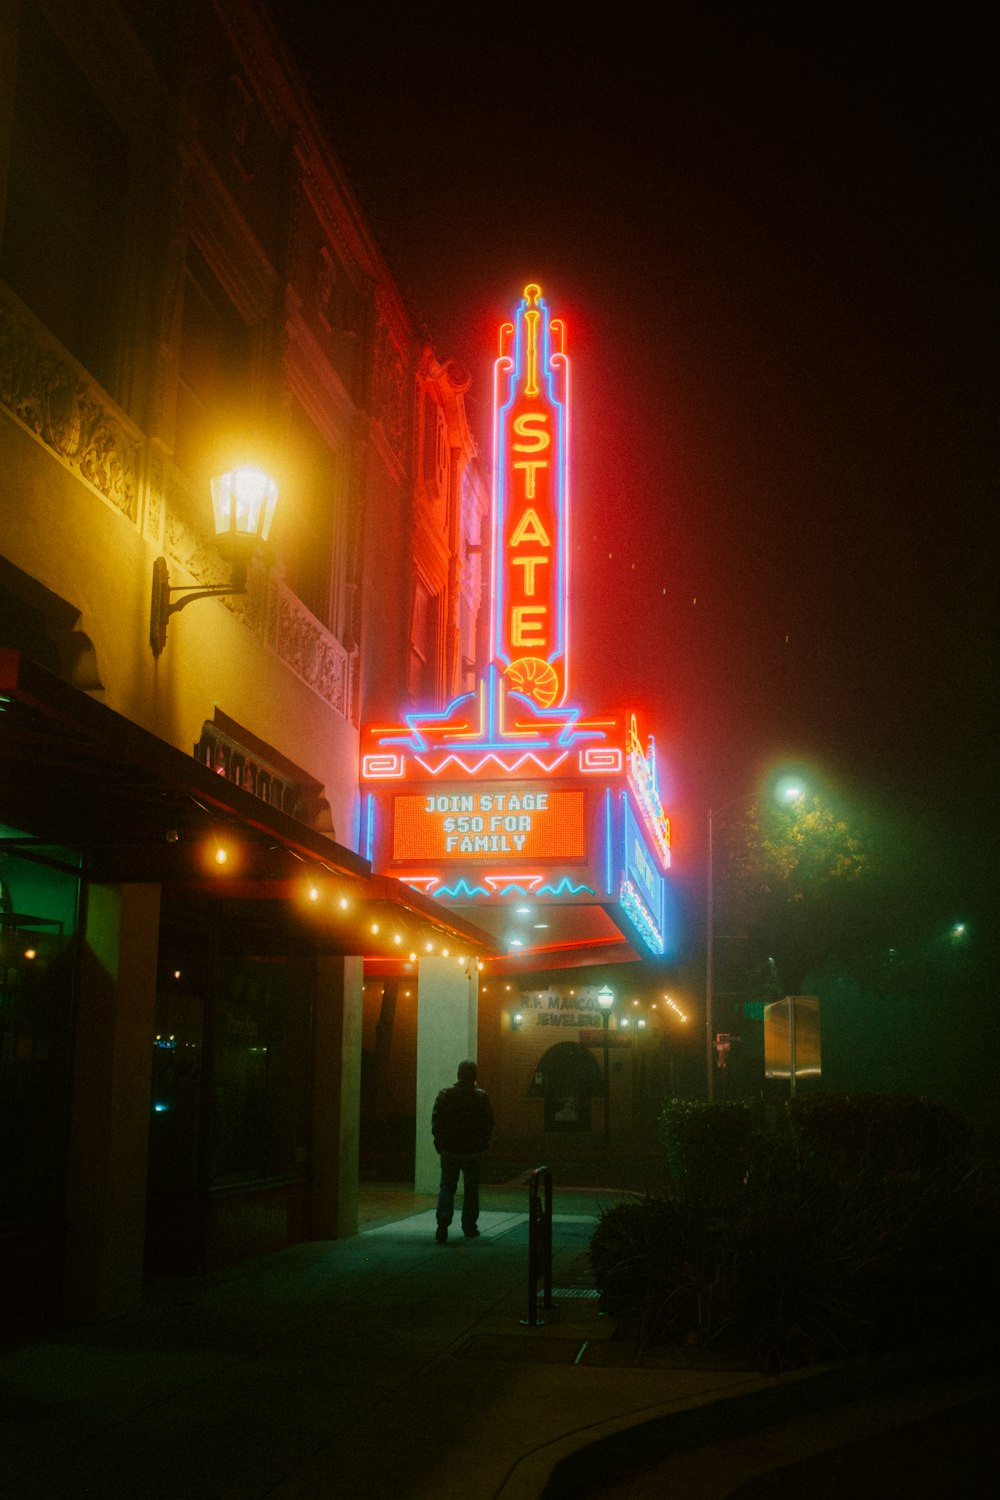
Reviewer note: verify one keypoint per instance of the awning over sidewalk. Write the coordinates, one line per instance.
(76, 774)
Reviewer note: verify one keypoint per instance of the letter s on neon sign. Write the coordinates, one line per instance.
(524, 427)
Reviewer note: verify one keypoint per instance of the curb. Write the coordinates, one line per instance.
(573, 1464)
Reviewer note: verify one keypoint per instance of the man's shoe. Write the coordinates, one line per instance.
(471, 1234)
(442, 1234)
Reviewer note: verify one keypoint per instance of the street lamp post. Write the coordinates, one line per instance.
(789, 792)
(606, 999)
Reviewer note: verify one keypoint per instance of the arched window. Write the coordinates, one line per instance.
(566, 1077)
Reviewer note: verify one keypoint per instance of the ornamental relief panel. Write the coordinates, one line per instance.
(155, 492)
(298, 639)
(389, 396)
(187, 548)
(56, 402)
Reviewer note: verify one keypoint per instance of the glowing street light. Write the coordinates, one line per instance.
(788, 791)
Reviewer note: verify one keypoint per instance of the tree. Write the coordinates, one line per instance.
(857, 907)
(793, 885)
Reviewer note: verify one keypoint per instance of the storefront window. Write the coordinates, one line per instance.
(39, 898)
(261, 1051)
(178, 1057)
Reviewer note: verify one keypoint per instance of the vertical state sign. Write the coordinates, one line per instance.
(530, 504)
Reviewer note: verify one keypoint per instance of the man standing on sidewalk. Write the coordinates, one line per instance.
(462, 1124)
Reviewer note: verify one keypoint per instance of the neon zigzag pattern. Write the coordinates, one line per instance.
(502, 762)
(462, 888)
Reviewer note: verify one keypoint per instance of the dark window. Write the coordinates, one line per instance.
(165, 32)
(423, 644)
(214, 375)
(66, 201)
(232, 1051)
(261, 1047)
(309, 528)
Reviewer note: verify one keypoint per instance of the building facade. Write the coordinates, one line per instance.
(188, 285)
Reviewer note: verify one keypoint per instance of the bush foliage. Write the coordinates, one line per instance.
(833, 1227)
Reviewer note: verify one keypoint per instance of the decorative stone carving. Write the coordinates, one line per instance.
(311, 651)
(390, 394)
(46, 393)
(155, 491)
(298, 639)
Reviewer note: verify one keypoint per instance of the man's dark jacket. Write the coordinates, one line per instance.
(462, 1121)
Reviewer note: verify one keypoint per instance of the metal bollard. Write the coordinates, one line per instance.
(539, 1242)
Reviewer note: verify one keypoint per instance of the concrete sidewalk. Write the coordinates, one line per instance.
(380, 1365)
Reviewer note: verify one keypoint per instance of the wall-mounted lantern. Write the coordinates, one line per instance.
(243, 503)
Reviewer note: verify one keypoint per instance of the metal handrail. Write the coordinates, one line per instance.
(539, 1242)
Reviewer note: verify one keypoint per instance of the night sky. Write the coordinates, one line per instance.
(770, 233)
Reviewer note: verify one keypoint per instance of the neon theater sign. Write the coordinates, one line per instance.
(511, 794)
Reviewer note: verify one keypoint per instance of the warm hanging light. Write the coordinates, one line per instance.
(243, 502)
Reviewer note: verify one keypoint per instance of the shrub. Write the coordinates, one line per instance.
(708, 1148)
(792, 1245)
(885, 1133)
